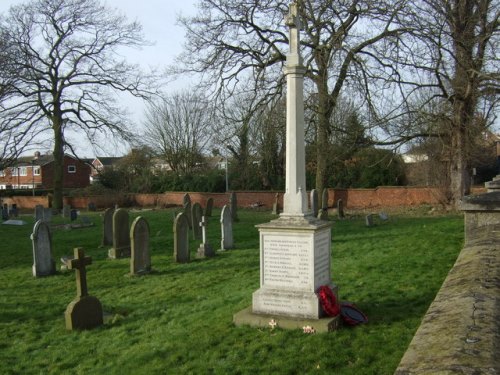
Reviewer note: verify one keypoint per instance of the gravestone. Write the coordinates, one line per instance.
(84, 312)
(323, 214)
(43, 263)
(66, 210)
(188, 213)
(340, 209)
(383, 216)
(140, 258)
(276, 205)
(5, 213)
(47, 215)
(314, 203)
(196, 215)
(107, 227)
(73, 214)
(209, 207)
(205, 250)
(91, 206)
(369, 220)
(233, 204)
(186, 199)
(226, 227)
(181, 238)
(13, 210)
(121, 235)
(38, 212)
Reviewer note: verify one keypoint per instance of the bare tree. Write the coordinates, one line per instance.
(230, 41)
(178, 128)
(67, 71)
(461, 39)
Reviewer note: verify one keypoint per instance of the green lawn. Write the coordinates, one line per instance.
(178, 319)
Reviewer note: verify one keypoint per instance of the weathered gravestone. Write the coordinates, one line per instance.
(226, 227)
(43, 263)
(314, 203)
(340, 209)
(107, 227)
(13, 210)
(38, 212)
(121, 235)
(5, 213)
(181, 238)
(91, 206)
(233, 204)
(84, 312)
(140, 258)
(186, 199)
(276, 204)
(208, 208)
(205, 250)
(73, 214)
(47, 215)
(369, 220)
(66, 211)
(187, 212)
(323, 213)
(196, 215)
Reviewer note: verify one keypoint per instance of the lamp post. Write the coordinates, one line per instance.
(33, 175)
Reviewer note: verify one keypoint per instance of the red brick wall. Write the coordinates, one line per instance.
(80, 179)
(352, 198)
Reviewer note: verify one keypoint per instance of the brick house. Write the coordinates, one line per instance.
(37, 171)
(102, 163)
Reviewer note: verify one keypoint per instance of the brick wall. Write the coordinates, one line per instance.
(352, 198)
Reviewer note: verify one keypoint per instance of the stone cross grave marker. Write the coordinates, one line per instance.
(340, 209)
(107, 227)
(84, 312)
(323, 214)
(314, 203)
(121, 235)
(140, 258)
(196, 215)
(209, 206)
(226, 227)
(233, 204)
(181, 238)
(205, 250)
(43, 263)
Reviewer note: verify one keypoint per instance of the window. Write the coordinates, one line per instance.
(36, 171)
(23, 171)
(13, 171)
(2, 173)
(71, 168)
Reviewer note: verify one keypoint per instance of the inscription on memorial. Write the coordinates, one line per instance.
(287, 261)
(322, 259)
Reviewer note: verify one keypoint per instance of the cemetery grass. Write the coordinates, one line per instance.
(178, 319)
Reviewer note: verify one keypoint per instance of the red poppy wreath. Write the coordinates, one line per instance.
(328, 301)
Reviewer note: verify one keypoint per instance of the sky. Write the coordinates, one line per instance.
(159, 21)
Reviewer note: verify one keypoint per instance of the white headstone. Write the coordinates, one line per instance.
(226, 227)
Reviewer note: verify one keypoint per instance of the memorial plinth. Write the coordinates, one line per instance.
(294, 263)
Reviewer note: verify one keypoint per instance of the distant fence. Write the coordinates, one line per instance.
(386, 196)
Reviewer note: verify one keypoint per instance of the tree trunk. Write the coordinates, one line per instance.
(58, 154)
(459, 171)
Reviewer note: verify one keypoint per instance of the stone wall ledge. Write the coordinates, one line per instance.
(460, 333)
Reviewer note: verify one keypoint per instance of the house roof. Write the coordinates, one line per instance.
(108, 160)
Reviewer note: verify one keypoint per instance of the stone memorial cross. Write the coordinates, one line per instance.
(84, 312)
(205, 250)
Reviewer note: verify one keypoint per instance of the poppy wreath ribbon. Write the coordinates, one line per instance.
(328, 301)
